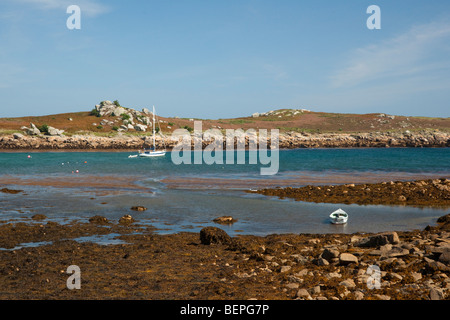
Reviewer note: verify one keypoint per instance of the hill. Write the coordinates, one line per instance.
(286, 120)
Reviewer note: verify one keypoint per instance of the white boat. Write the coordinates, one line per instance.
(339, 217)
(152, 152)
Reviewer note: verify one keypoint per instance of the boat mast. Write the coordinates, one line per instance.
(154, 135)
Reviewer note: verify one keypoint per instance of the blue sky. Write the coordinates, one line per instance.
(221, 59)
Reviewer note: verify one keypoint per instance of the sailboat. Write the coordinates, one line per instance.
(152, 152)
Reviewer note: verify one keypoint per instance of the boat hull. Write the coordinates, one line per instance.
(339, 217)
(338, 220)
(152, 154)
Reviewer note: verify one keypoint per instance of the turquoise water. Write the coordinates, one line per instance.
(189, 197)
(411, 160)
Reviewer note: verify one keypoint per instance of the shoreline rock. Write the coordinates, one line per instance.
(287, 140)
(430, 192)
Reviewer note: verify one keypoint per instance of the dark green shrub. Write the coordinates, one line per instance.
(95, 112)
(43, 129)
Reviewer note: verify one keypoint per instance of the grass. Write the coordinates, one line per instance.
(240, 121)
(8, 131)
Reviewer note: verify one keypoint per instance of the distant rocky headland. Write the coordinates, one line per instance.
(110, 126)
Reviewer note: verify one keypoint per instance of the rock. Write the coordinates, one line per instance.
(98, 220)
(332, 275)
(347, 258)
(416, 276)
(378, 240)
(292, 285)
(284, 269)
(54, 132)
(303, 293)
(140, 127)
(382, 297)
(18, 136)
(444, 219)
(256, 115)
(302, 273)
(434, 266)
(436, 294)
(138, 208)
(445, 256)
(396, 252)
(33, 130)
(10, 191)
(38, 217)
(225, 220)
(321, 262)
(299, 258)
(401, 198)
(349, 283)
(395, 276)
(126, 219)
(358, 295)
(119, 111)
(211, 235)
(314, 290)
(330, 254)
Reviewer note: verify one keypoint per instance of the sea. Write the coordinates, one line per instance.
(74, 186)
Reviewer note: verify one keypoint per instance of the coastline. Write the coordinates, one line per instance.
(289, 140)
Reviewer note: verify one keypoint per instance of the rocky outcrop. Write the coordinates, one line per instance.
(138, 208)
(34, 131)
(213, 235)
(430, 192)
(126, 220)
(225, 220)
(132, 119)
(367, 140)
(286, 141)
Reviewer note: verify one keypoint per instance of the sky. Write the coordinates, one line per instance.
(214, 59)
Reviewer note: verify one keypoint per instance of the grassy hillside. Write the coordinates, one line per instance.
(284, 120)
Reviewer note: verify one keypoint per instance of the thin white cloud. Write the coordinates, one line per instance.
(88, 7)
(421, 50)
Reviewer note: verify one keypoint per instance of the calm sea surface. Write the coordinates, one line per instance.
(67, 186)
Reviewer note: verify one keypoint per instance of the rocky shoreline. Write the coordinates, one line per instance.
(430, 192)
(288, 140)
(411, 265)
